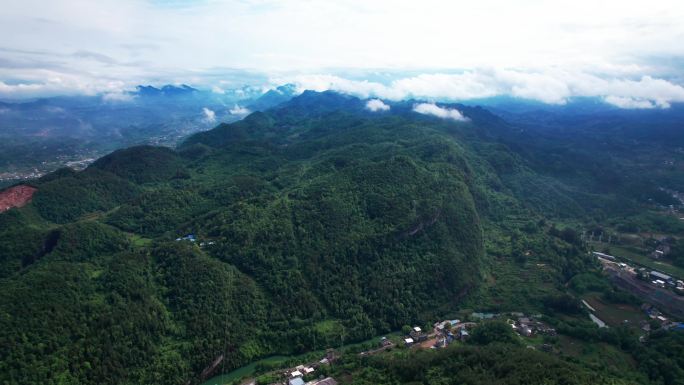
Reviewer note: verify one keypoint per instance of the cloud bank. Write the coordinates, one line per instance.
(440, 112)
(547, 51)
(375, 105)
(548, 86)
(631, 103)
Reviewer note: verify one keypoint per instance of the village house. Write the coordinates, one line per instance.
(417, 334)
(445, 332)
(463, 334)
(603, 255)
(525, 331)
(189, 237)
(441, 326)
(664, 278)
(528, 326)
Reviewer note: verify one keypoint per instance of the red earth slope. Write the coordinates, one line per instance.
(15, 196)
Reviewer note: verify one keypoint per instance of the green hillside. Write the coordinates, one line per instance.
(312, 213)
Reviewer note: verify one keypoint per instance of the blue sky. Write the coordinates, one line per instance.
(627, 52)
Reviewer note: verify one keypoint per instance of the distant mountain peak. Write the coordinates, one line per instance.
(166, 90)
(328, 96)
(183, 88)
(287, 89)
(274, 97)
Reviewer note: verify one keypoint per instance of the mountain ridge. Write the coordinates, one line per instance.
(314, 223)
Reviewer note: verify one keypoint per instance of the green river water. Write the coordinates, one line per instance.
(248, 370)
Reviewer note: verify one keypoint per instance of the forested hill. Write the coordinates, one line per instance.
(310, 225)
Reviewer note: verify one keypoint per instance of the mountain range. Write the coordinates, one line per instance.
(46, 134)
(320, 222)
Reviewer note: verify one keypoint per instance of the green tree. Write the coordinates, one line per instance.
(491, 332)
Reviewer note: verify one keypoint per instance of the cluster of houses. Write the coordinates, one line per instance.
(448, 331)
(656, 278)
(444, 333)
(525, 326)
(416, 335)
(296, 375)
(528, 326)
(653, 313)
(451, 330)
(666, 324)
(193, 239)
(662, 280)
(189, 238)
(299, 380)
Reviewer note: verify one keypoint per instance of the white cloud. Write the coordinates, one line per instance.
(118, 96)
(239, 110)
(370, 34)
(535, 86)
(49, 83)
(435, 110)
(554, 86)
(324, 82)
(377, 105)
(630, 103)
(545, 51)
(209, 115)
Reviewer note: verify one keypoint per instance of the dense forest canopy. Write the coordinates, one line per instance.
(253, 238)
